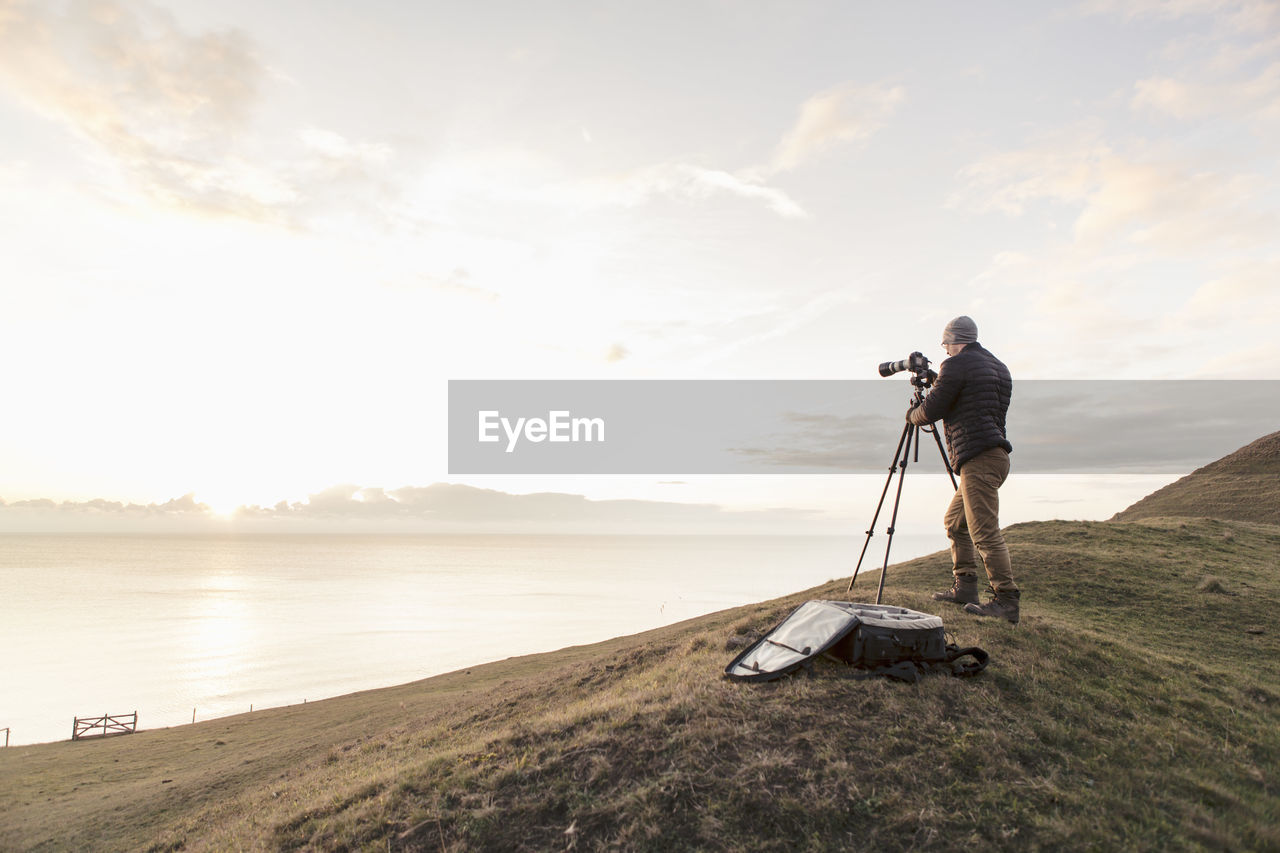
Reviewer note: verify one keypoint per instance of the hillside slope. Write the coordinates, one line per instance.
(1243, 486)
(1137, 706)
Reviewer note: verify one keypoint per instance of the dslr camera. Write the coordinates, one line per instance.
(917, 364)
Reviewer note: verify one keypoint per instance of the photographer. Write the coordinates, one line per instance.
(971, 396)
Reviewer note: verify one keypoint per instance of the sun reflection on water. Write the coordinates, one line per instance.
(218, 638)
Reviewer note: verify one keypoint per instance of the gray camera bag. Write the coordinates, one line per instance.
(877, 639)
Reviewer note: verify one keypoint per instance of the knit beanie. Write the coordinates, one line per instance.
(961, 330)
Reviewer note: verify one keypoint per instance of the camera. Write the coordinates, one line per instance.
(919, 365)
(915, 362)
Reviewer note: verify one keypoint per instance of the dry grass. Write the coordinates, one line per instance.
(1242, 486)
(1131, 709)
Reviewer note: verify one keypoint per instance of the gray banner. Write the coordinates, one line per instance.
(718, 427)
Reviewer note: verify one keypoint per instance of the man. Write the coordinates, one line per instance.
(971, 396)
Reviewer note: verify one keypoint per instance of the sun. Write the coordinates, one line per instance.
(222, 506)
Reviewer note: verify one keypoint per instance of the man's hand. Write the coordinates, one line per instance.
(916, 415)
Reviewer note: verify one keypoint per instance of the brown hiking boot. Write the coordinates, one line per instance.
(963, 591)
(1003, 605)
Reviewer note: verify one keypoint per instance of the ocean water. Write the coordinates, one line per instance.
(168, 625)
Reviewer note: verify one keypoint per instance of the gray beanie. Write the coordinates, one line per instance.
(961, 330)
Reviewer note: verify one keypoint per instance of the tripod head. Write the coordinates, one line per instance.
(923, 379)
(922, 382)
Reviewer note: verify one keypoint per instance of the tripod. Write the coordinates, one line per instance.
(908, 444)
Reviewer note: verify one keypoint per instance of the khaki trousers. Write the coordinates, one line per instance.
(973, 520)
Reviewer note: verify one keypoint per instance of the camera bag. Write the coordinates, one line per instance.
(875, 639)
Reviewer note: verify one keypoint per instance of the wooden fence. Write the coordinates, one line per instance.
(104, 726)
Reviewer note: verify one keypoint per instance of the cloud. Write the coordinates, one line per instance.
(162, 103)
(334, 147)
(1242, 297)
(170, 109)
(1062, 167)
(840, 115)
(755, 325)
(1140, 196)
(1257, 359)
(853, 443)
(707, 181)
(1216, 71)
(691, 182)
(440, 507)
(185, 505)
(1055, 426)
(1248, 16)
(1221, 63)
(69, 513)
(1237, 310)
(1151, 218)
(455, 507)
(514, 179)
(1173, 205)
(458, 282)
(1258, 96)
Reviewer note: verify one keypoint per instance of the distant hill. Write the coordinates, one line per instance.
(1243, 486)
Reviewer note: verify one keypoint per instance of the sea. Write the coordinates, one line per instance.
(183, 628)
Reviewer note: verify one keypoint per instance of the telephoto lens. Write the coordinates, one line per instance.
(889, 368)
(915, 361)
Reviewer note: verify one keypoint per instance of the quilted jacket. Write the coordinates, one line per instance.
(971, 396)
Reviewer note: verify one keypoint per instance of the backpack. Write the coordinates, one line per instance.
(877, 639)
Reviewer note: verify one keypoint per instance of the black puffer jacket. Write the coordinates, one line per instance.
(971, 396)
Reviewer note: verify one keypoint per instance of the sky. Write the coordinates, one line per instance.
(245, 246)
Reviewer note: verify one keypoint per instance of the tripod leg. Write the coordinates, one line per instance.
(913, 434)
(906, 431)
(945, 461)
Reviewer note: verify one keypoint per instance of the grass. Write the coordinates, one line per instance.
(1244, 486)
(1137, 706)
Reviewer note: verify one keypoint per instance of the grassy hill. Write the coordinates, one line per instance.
(1137, 706)
(1243, 486)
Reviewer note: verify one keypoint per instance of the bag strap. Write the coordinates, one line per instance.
(963, 669)
(910, 671)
